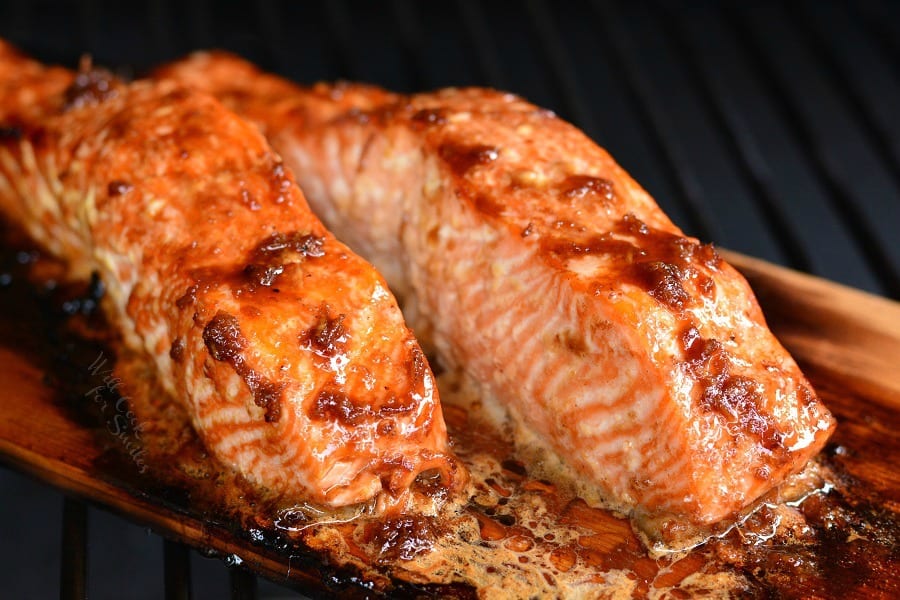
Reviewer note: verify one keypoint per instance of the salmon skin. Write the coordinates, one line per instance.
(287, 350)
(624, 351)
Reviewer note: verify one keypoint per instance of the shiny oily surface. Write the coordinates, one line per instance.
(513, 534)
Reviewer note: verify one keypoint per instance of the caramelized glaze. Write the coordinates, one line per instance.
(515, 536)
(530, 261)
(216, 271)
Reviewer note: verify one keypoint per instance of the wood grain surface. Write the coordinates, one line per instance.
(847, 341)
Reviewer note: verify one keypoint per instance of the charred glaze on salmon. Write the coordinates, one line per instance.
(630, 353)
(288, 351)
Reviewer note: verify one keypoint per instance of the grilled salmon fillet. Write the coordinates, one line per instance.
(287, 350)
(616, 346)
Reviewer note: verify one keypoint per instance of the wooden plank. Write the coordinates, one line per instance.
(853, 335)
(846, 340)
(848, 344)
(39, 438)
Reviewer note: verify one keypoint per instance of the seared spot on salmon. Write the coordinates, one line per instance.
(224, 340)
(573, 341)
(327, 336)
(266, 394)
(429, 116)
(462, 158)
(660, 263)
(662, 280)
(735, 398)
(586, 186)
(176, 352)
(488, 206)
(91, 86)
(118, 187)
(263, 274)
(188, 297)
(335, 406)
(332, 405)
(271, 256)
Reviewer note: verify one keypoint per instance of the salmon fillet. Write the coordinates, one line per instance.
(617, 347)
(287, 350)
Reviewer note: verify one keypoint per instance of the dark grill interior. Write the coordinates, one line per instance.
(772, 130)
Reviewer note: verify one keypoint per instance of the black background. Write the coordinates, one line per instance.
(767, 128)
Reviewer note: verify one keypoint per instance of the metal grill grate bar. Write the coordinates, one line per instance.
(21, 19)
(243, 584)
(200, 23)
(337, 18)
(74, 551)
(739, 139)
(655, 124)
(89, 23)
(795, 120)
(874, 20)
(840, 80)
(161, 24)
(270, 20)
(177, 570)
(486, 56)
(560, 65)
(409, 36)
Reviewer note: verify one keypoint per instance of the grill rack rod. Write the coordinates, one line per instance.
(559, 64)
(410, 39)
(655, 125)
(177, 571)
(337, 19)
(243, 584)
(74, 551)
(486, 58)
(740, 140)
(874, 21)
(839, 77)
(838, 191)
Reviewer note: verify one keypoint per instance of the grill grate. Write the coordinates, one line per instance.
(177, 567)
(657, 124)
(73, 574)
(873, 240)
(769, 129)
